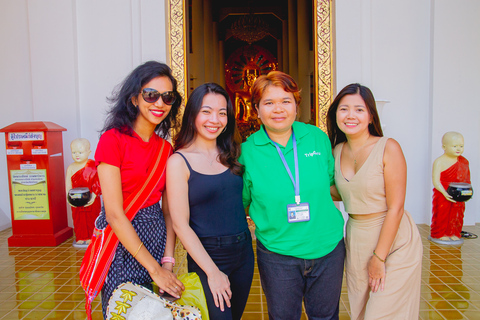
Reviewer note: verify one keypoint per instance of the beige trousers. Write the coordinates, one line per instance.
(401, 296)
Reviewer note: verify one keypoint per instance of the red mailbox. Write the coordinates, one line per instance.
(36, 180)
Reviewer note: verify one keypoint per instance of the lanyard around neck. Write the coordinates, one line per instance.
(296, 183)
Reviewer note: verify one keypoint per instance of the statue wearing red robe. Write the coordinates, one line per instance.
(84, 217)
(447, 219)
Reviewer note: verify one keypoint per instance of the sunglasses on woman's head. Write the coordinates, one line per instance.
(151, 96)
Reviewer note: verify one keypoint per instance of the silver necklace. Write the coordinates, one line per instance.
(359, 149)
(209, 161)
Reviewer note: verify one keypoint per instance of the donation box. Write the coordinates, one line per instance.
(37, 184)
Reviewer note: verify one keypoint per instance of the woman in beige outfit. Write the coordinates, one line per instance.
(384, 249)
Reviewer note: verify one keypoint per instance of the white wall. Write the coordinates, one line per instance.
(422, 56)
(60, 59)
(114, 36)
(14, 82)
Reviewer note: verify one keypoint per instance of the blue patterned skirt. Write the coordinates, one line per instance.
(150, 227)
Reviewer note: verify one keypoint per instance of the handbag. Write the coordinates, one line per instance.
(100, 252)
(132, 301)
(193, 294)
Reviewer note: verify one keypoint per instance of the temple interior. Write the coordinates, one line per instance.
(233, 42)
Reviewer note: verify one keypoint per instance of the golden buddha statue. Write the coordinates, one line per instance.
(243, 106)
(242, 68)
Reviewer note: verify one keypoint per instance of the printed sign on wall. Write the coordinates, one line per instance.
(30, 194)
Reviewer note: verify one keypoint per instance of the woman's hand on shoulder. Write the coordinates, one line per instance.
(220, 288)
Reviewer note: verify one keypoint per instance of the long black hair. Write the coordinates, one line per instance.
(228, 142)
(123, 113)
(334, 133)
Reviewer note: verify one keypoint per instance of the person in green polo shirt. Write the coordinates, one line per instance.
(289, 169)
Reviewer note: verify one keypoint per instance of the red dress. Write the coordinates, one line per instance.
(84, 217)
(447, 218)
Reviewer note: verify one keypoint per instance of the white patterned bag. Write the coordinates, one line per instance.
(134, 302)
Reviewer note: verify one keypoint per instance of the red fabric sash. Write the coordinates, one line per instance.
(100, 252)
(447, 217)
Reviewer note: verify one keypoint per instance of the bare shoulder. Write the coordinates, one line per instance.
(443, 162)
(176, 166)
(176, 161)
(70, 167)
(393, 152)
(439, 160)
(392, 147)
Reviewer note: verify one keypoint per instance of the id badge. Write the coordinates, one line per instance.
(298, 212)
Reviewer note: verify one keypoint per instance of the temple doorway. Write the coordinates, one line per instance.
(232, 42)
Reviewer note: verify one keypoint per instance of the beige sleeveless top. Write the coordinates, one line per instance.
(365, 192)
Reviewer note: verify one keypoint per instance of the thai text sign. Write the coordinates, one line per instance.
(25, 136)
(30, 194)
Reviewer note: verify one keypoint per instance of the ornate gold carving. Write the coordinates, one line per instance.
(177, 54)
(177, 48)
(323, 60)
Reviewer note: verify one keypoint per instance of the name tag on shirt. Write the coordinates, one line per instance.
(298, 212)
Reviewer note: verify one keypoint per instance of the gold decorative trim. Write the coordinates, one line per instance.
(177, 59)
(177, 55)
(323, 59)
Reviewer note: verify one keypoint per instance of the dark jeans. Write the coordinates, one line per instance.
(286, 281)
(233, 255)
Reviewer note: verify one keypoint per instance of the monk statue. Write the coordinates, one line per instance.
(447, 214)
(83, 173)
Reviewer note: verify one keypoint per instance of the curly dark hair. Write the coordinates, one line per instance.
(335, 135)
(228, 142)
(123, 113)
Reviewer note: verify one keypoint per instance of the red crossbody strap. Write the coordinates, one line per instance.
(135, 201)
(100, 252)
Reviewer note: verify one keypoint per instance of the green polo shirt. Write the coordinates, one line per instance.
(268, 189)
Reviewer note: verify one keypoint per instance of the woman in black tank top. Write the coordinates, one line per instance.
(204, 192)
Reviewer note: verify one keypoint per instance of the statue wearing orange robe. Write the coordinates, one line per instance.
(447, 214)
(83, 173)
(447, 219)
(84, 217)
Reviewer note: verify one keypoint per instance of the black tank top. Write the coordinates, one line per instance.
(216, 207)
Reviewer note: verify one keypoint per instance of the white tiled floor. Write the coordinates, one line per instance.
(40, 283)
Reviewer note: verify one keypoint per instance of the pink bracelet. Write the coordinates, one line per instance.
(167, 259)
